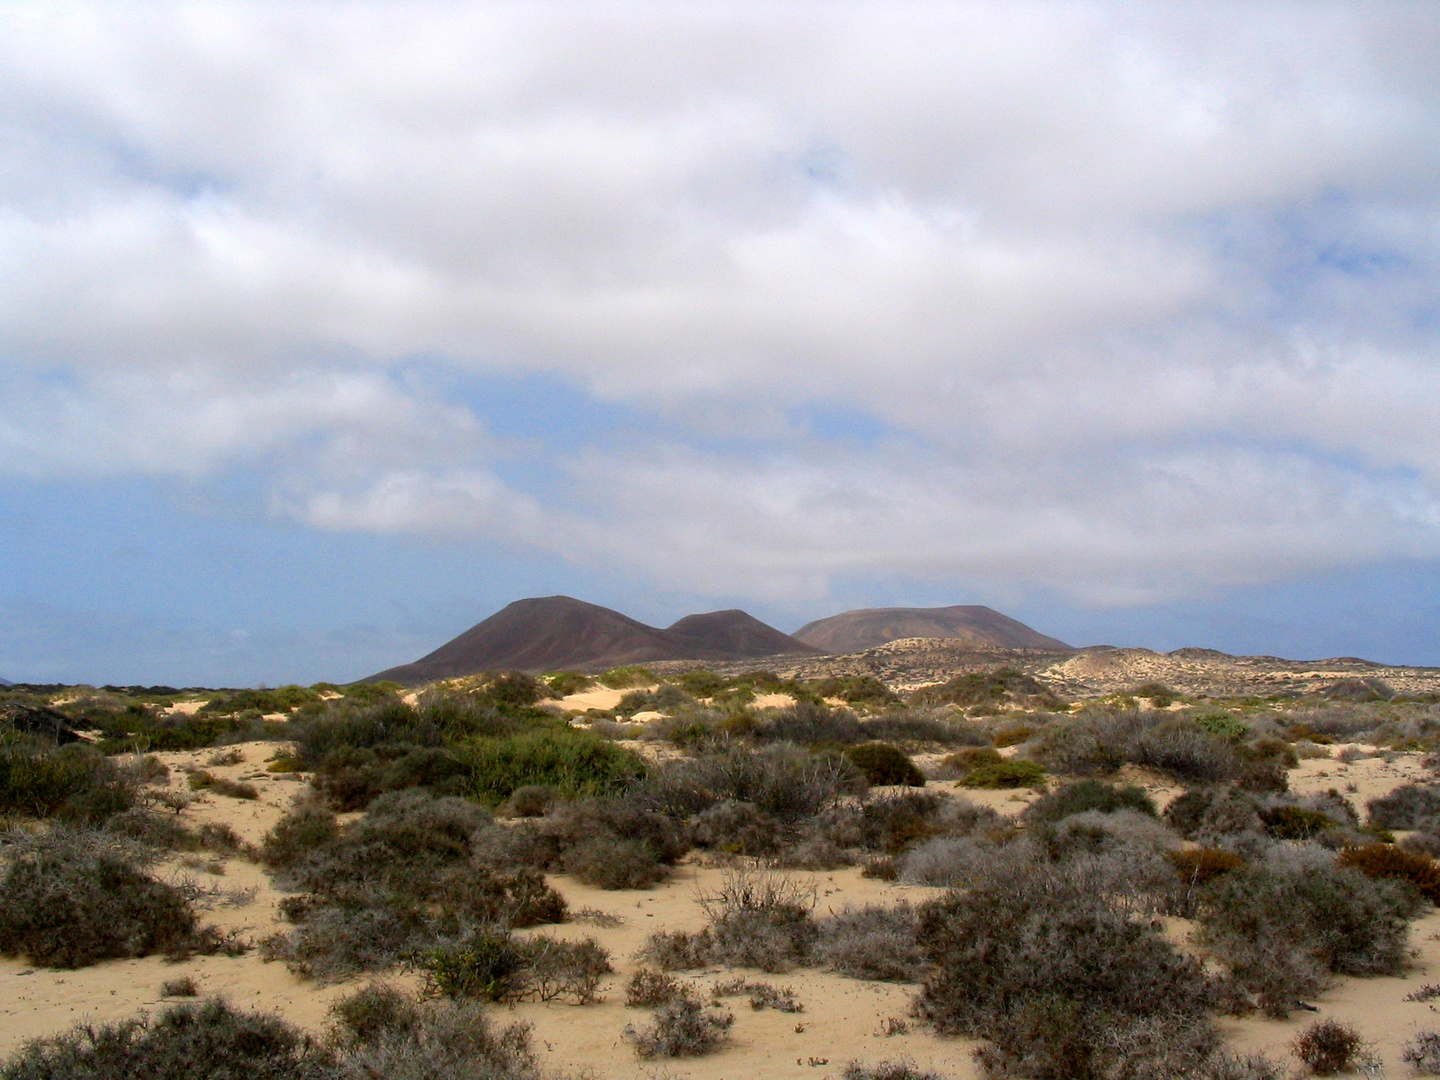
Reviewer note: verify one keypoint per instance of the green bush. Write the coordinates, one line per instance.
(491, 965)
(283, 699)
(627, 676)
(1226, 725)
(1005, 774)
(885, 765)
(400, 877)
(575, 763)
(1003, 685)
(1083, 795)
(701, 683)
(73, 782)
(564, 683)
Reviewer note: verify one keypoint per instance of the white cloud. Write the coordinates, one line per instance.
(1144, 295)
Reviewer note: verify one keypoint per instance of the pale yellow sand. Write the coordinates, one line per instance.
(842, 1020)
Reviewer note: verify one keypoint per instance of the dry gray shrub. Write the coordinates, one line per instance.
(888, 1070)
(683, 1027)
(1059, 984)
(1423, 1053)
(1284, 926)
(871, 942)
(382, 1032)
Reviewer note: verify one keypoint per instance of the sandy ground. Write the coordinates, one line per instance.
(843, 1019)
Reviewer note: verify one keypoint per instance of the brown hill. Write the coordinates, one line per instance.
(558, 633)
(733, 635)
(856, 631)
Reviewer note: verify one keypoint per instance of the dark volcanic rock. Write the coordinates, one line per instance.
(558, 633)
(855, 631)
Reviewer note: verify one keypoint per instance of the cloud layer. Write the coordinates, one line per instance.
(1126, 302)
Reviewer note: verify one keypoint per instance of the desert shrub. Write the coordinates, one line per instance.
(381, 1032)
(185, 1042)
(856, 690)
(627, 676)
(185, 986)
(1003, 685)
(908, 727)
(888, 1070)
(1423, 1053)
(647, 988)
(615, 862)
(1196, 868)
(200, 780)
(155, 830)
(701, 683)
(1284, 926)
(1287, 822)
(575, 763)
(488, 964)
(807, 724)
(759, 920)
(530, 801)
(1410, 806)
(308, 827)
(69, 899)
(351, 779)
(682, 1027)
(966, 761)
(1219, 722)
(1101, 741)
(944, 861)
(782, 781)
(1061, 986)
(739, 828)
(1085, 795)
(565, 683)
(884, 764)
(491, 965)
(1389, 861)
(1186, 750)
(613, 843)
(401, 875)
(761, 994)
(230, 756)
(895, 822)
(871, 942)
(1005, 774)
(72, 782)
(675, 950)
(1329, 1047)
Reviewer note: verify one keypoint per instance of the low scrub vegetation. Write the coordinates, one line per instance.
(377, 1032)
(71, 899)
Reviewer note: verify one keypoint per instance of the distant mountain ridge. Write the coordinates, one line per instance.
(560, 633)
(866, 628)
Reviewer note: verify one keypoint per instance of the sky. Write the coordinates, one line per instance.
(328, 329)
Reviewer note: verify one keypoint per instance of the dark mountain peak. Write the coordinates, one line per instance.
(556, 633)
(865, 628)
(736, 633)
